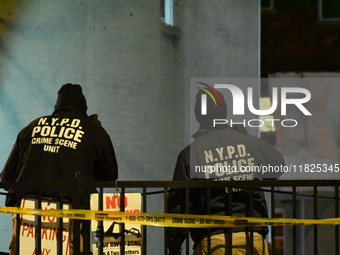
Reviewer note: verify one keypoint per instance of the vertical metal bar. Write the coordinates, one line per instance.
(315, 196)
(229, 241)
(294, 217)
(100, 223)
(17, 237)
(60, 229)
(303, 229)
(85, 234)
(165, 210)
(251, 214)
(75, 236)
(187, 202)
(144, 229)
(38, 229)
(209, 213)
(76, 223)
(336, 190)
(247, 241)
(272, 211)
(122, 226)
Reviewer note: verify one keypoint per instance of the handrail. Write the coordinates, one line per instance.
(151, 187)
(191, 184)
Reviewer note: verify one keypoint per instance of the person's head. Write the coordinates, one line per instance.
(216, 108)
(71, 95)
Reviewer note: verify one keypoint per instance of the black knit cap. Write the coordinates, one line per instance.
(214, 111)
(71, 95)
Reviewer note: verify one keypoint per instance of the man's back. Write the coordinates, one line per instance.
(226, 154)
(61, 150)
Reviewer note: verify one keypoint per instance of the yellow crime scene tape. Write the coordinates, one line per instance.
(168, 219)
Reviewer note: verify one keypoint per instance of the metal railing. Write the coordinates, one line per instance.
(313, 199)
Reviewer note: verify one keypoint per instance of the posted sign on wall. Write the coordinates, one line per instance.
(112, 239)
(49, 231)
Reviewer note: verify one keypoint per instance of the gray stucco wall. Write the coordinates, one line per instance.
(135, 71)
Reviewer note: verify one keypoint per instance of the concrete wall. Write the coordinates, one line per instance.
(133, 69)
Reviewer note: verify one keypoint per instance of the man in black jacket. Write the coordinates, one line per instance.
(58, 152)
(221, 153)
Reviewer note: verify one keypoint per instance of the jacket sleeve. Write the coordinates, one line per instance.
(9, 172)
(176, 203)
(107, 167)
(272, 158)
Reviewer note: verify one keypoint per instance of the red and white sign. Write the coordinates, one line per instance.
(112, 202)
(49, 231)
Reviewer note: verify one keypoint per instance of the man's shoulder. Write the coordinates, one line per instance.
(185, 152)
(222, 135)
(34, 122)
(230, 137)
(70, 121)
